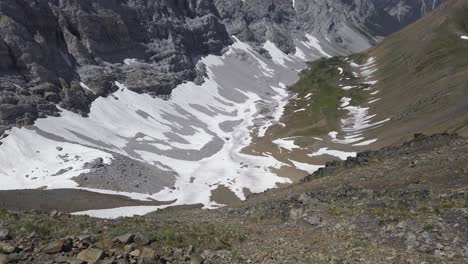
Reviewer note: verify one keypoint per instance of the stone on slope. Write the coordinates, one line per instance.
(7, 247)
(124, 239)
(91, 255)
(4, 234)
(4, 259)
(53, 247)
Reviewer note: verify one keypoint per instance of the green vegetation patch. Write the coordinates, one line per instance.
(322, 109)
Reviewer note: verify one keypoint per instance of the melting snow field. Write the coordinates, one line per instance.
(198, 134)
(358, 119)
(464, 37)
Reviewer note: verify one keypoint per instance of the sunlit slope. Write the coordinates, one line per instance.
(423, 75)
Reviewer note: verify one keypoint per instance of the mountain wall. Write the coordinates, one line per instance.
(70, 52)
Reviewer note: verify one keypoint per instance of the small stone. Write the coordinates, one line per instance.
(68, 260)
(54, 213)
(313, 220)
(196, 259)
(53, 247)
(7, 248)
(16, 257)
(147, 254)
(32, 235)
(4, 259)
(87, 238)
(411, 240)
(4, 234)
(129, 248)
(106, 261)
(124, 239)
(438, 253)
(451, 254)
(295, 214)
(401, 225)
(91, 255)
(189, 251)
(59, 148)
(140, 239)
(135, 253)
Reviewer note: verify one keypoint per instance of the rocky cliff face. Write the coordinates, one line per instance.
(282, 22)
(47, 48)
(69, 52)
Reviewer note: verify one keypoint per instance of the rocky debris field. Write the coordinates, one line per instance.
(401, 204)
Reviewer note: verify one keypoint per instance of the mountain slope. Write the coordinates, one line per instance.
(401, 204)
(413, 81)
(423, 74)
(201, 143)
(71, 52)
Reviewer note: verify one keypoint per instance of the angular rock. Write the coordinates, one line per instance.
(7, 247)
(147, 254)
(54, 247)
(313, 220)
(140, 239)
(197, 259)
(135, 253)
(124, 239)
(4, 259)
(69, 260)
(4, 234)
(96, 163)
(91, 255)
(295, 214)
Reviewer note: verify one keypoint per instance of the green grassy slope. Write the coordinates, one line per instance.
(422, 78)
(423, 73)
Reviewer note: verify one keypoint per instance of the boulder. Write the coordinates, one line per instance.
(94, 164)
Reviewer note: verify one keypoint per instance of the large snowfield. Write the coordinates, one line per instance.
(198, 133)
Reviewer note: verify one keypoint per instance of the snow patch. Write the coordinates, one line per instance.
(313, 42)
(343, 155)
(309, 168)
(277, 55)
(286, 143)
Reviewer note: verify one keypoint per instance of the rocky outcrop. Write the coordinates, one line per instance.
(70, 52)
(282, 22)
(420, 142)
(47, 48)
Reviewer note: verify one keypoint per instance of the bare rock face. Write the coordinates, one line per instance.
(49, 49)
(283, 21)
(70, 52)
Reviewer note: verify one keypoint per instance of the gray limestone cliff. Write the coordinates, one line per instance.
(69, 52)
